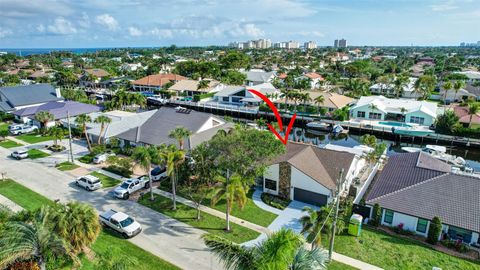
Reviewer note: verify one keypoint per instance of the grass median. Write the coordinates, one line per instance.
(9, 144)
(107, 181)
(208, 223)
(107, 241)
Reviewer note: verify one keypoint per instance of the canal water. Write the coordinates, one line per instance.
(472, 156)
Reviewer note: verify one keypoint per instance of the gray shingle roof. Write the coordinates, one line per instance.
(258, 76)
(59, 109)
(156, 129)
(427, 193)
(27, 94)
(322, 165)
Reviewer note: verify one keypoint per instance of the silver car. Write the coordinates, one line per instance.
(89, 182)
(19, 154)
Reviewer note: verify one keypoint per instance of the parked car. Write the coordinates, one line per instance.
(130, 186)
(101, 158)
(89, 182)
(158, 173)
(19, 154)
(120, 222)
(15, 126)
(23, 129)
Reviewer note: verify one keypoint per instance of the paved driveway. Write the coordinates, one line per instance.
(170, 239)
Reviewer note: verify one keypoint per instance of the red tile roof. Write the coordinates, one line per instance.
(464, 117)
(313, 75)
(159, 79)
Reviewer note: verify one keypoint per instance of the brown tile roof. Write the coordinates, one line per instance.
(419, 185)
(97, 72)
(159, 79)
(464, 117)
(313, 75)
(192, 85)
(332, 100)
(282, 76)
(322, 165)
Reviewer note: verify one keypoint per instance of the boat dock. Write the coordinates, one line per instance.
(301, 120)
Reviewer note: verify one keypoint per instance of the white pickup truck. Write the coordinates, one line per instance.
(17, 130)
(130, 186)
(120, 222)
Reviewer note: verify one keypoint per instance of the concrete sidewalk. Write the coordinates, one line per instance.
(9, 204)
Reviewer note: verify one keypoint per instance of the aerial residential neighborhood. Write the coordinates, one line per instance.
(267, 135)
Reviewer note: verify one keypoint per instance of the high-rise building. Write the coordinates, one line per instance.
(263, 44)
(293, 45)
(335, 43)
(340, 43)
(310, 45)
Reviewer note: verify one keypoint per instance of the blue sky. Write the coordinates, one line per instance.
(119, 23)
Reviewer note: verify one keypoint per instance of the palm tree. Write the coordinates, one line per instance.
(143, 156)
(57, 133)
(372, 108)
(283, 249)
(398, 84)
(447, 86)
(22, 241)
(44, 117)
(403, 111)
(108, 261)
(102, 120)
(473, 109)
(456, 87)
(306, 99)
(203, 84)
(77, 223)
(179, 134)
(319, 101)
(424, 86)
(173, 158)
(233, 190)
(82, 120)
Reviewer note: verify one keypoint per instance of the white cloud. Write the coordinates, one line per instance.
(5, 32)
(446, 6)
(61, 26)
(108, 21)
(246, 30)
(134, 31)
(162, 33)
(41, 28)
(84, 21)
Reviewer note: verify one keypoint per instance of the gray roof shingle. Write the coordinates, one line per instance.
(59, 109)
(406, 188)
(23, 95)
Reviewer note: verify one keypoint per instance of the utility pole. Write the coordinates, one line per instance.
(337, 204)
(69, 136)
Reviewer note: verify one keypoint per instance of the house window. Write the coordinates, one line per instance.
(460, 234)
(360, 114)
(388, 217)
(417, 120)
(270, 184)
(422, 225)
(373, 115)
(226, 99)
(236, 99)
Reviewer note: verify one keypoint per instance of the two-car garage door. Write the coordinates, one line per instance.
(309, 197)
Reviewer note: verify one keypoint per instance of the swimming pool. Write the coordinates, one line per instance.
(394, 124)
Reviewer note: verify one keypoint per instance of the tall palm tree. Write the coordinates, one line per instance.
(447, 86)
(403, 111)
(319, 101)
(143, 156)
(102, 120)
(372, 108)
(77, 223)
(473, 109)
(180, 134)
(232, 189)
(203, 84)
(283, 249)
(456, 87)
(82, 120)
(173, 158)
(306, 99)
(398, 84)
(22, 241)
(424, 86)
(44, 117)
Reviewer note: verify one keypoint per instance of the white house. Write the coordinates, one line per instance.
(408, 91)
(258, 76)
(309, 174)
(473, 76)
(315, 79)
(381, 108)
(413, 188)
(131, 67)
(240, 96)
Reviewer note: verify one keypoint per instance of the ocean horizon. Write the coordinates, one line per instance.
(32, 51)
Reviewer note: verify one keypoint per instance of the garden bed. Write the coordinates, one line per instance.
(275, 201)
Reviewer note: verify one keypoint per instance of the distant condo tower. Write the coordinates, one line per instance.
(342, 43)
(310, 45)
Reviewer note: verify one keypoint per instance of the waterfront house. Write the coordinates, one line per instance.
(155, 130)
(332, 101)
(258, 76)
(380, 108)
(413, 188)
(408, 91)
(315, 79)
(92, 76)
(473, 76)
(156, 82)
(240, 96)
(464, 117)
(191, 88)
(309, 174)
(58, 109)
(14, 98)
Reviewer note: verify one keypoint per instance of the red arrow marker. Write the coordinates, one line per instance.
(272, 106)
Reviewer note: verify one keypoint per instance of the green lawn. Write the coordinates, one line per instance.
(35, 153)
(9, 144)
(208, 223)
(391, 252)
(34, 138)
(334, 265)
(3, 126)
(31, 200)
(87, 159)
(251, 212)
(107, 181)
(66, 166)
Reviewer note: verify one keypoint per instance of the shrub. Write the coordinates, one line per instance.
(400, 230)
(457, 245)
(88, 158)
(434, 230)
(99, 149)
(377, 215)
(120, 166)
(56, 148)
(275, 201)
